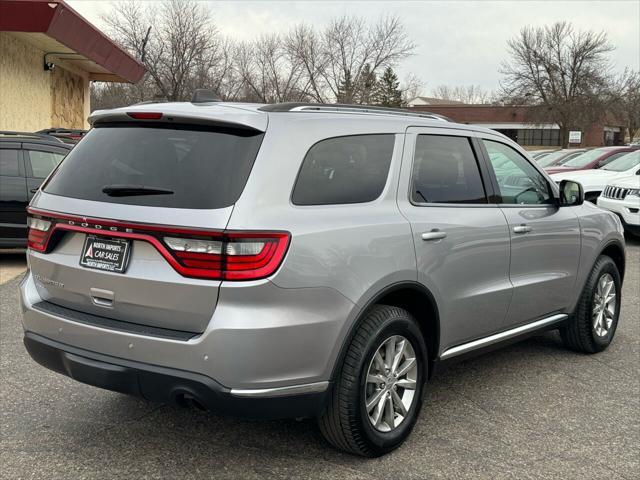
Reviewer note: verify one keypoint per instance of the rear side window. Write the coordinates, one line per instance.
(186, 167)
(349, 169)
(9, 163)
(445, 170)
(43, 163)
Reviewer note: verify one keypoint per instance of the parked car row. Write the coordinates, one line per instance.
(614, 186)
(26, 159)
(591, 159)
(610, 177)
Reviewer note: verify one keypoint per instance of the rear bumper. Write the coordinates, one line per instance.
(167, 385)
(260, 337)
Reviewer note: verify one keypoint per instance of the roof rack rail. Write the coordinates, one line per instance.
(346, 108)
(50, 131)
(42, 136)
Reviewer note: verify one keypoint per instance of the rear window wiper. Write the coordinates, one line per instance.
(134, 190)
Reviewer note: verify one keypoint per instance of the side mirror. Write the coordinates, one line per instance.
(571, 193)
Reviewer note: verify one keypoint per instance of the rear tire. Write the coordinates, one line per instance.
(594, 323)
(386, 341)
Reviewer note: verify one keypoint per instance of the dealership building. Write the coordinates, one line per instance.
(515, 123)
(49, 54)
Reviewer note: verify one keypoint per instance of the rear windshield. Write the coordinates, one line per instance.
(184, 167)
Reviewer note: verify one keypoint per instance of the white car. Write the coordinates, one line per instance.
(622, 197)
(594, 181)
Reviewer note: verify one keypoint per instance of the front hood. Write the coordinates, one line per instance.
(591, 180)
(632, 181)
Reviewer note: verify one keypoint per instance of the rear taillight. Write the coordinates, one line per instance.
(215, 255)
(39, 232)
(232, 256)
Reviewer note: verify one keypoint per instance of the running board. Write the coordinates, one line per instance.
(499, 337)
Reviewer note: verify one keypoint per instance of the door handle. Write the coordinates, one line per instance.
(34, 190)
(434, 235)
(522, 229)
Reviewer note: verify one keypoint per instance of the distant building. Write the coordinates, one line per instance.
(48, 56)
(419, 101)
(514, 122)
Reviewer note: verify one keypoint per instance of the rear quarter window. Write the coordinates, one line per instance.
(202, 167)
(340, 170)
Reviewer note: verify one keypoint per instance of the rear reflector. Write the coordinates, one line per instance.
(145, 115)
(210, 254)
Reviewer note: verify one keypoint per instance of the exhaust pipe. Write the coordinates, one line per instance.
(188, 400)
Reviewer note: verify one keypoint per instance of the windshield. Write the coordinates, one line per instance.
(160, 166)
(585, 158)
(552, 158)
(625, 162)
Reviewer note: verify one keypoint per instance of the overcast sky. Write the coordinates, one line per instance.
(458, 42)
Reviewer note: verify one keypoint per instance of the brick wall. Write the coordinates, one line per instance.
(592, 137)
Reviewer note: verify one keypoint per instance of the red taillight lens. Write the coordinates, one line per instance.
(39, 232)
(145, 115)
(249, 256)
(231, 256)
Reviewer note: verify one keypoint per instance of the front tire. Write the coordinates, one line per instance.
(377, 395)
(594, 323)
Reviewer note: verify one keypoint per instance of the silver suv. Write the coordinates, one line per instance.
(299, 260)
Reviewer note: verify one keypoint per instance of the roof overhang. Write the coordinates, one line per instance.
(58, 30)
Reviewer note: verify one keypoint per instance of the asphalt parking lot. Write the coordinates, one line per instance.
(532, 410)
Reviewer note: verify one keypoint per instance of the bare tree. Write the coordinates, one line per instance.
(113, 95)
(626, 100)
(304, 47)
(411, 87)
(562, 70)
(339, 61)
(471, 94)
(268, 72)
(182, 49)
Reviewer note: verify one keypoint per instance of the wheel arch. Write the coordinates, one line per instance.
(616, 252)
(417, 300)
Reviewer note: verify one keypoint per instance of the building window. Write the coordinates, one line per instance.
(539, 136)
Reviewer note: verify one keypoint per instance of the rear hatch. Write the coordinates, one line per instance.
(130, 226)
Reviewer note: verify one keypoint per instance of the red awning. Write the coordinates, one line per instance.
(96, 53)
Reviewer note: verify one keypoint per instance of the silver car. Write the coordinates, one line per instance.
(300, 260)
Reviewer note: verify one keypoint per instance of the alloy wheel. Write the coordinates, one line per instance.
(391, 383)
(604, 305)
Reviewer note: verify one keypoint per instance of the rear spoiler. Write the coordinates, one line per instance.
(213, 116)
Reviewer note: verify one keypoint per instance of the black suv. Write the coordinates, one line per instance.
(26, 159)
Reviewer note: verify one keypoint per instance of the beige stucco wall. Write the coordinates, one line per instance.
(67, 99)
(25, 88)
(32, 98)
